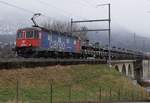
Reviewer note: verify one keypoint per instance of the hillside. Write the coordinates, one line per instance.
(69, 83)
(122, 38)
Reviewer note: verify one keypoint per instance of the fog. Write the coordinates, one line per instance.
(132, 15)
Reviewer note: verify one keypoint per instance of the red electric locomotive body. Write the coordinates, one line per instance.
(28, 38)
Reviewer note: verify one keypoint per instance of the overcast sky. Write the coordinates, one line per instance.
(129, 14)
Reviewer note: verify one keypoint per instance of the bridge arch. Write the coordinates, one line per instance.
(117, 68)
(124, 69)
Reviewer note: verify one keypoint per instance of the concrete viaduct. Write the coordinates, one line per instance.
(136, 70)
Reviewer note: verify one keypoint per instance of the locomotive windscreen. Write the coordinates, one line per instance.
(28, 34)
(19, 34)
(32, 34)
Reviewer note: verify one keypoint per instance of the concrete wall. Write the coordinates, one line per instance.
(146, 69)
(125, 68)
(134, 69)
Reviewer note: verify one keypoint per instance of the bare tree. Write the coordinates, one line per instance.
(62, 26)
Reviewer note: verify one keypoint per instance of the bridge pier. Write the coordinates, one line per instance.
(146, 69)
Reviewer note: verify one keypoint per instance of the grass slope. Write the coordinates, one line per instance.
(75, 83)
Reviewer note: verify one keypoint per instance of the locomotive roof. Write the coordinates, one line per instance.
(44, 29)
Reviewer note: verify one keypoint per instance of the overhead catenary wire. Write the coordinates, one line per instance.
(48, 4)
(86, 3)
(83, 3)
(32, 12)
(65, 13)
(17, 7)
(89, 3)
(20, 8)
(102, 1)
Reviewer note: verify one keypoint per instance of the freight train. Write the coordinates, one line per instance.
(39, 42)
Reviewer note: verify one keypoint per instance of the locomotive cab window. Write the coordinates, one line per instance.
(29, 34)
(19, 35)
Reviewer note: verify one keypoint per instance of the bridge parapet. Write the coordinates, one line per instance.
(122, 61)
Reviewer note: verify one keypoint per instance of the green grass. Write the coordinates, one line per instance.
(78, 83)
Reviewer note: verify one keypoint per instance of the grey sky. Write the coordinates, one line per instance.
(129, 14)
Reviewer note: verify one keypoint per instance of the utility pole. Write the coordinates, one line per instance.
(108, 29)
(135, 42)
(109, 10)
(71, 26)
(109, 32)
(143, 46)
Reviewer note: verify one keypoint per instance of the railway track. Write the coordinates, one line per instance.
(12, 63)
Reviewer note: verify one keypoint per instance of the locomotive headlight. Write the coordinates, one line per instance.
(23, 41)
(30, 44)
